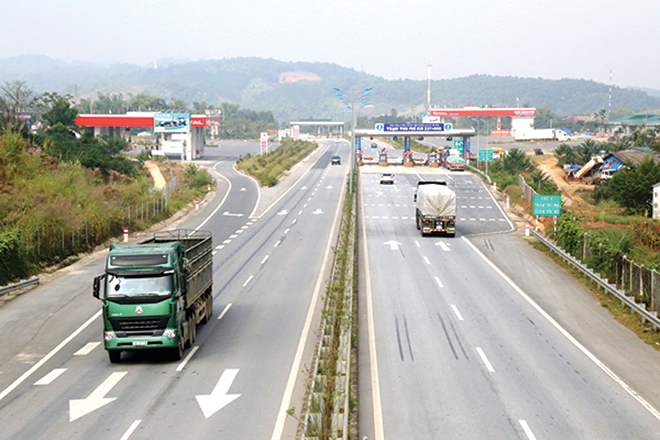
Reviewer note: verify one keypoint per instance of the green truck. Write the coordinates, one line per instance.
(155, 292)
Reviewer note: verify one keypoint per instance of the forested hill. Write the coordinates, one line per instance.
(304, 90)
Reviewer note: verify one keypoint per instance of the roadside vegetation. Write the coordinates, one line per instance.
(268, 168)
(62, 192)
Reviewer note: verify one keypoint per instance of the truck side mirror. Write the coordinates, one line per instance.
(96, 289)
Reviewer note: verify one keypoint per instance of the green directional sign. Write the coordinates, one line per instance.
(458, 144)
(485, 155)
(547, 205)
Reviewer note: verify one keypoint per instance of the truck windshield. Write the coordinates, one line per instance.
(129, 287)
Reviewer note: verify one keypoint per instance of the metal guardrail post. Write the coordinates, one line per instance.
(23, 283)
(628, 301)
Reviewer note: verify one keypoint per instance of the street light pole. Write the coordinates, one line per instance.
(353, 124)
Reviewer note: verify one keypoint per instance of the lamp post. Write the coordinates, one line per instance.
(351, 107)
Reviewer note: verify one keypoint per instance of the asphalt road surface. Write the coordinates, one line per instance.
(246, 367)
(452, 347)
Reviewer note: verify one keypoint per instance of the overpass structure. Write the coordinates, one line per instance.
(294, 131)
(181, 134)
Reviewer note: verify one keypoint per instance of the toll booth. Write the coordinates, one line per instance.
(382, 158)
(408, 159)
(433, 159)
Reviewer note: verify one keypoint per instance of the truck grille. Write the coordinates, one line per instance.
(139, 326)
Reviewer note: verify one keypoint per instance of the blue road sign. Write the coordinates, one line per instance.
(406, 128)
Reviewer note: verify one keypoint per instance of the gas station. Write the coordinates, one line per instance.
(180, 134)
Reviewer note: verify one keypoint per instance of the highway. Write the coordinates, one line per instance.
(451, 347)
(466, 337)
(271, 248)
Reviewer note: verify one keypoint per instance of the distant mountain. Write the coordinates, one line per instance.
(304, 90)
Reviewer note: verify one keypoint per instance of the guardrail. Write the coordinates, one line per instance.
(477, 170)
(626, 300)
(23, 283)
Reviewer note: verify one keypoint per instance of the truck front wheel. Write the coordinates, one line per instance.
(115, 356)
(177, 352)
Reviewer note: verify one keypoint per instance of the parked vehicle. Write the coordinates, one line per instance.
(435, 208)
(545, 134)
(155, 292)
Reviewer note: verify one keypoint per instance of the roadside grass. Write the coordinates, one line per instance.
(622, 314)
(269, 167)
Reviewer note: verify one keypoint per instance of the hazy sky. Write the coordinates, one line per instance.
(394, 39)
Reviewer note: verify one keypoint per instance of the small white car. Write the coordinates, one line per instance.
(387, 178)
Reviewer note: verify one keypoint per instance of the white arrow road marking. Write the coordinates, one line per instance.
(443, 245)
(47, 379)
(229, 214)
(318, 211)
(218, 399)
(81, 407)
(394, 245)
(283, 212)
(87, 349)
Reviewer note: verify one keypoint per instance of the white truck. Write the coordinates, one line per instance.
(544, 134)
(435, 208)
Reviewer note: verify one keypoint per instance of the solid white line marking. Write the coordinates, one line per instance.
(264, 260)
(224, 311)
(295, 368)
(187, 358)
(426, 260)
(278, 243)
(130, 430)
(47, 379)
(379, 433)
(527, 429)
(458, 314)
(87, 348)
(248, 280)
(568, 336)
(437, 280)
(46, 358)
(485, 360)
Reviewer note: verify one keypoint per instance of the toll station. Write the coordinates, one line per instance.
(461, 139)
(181, 135)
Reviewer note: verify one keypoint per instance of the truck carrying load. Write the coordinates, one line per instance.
(435, 208)
(156, 291)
